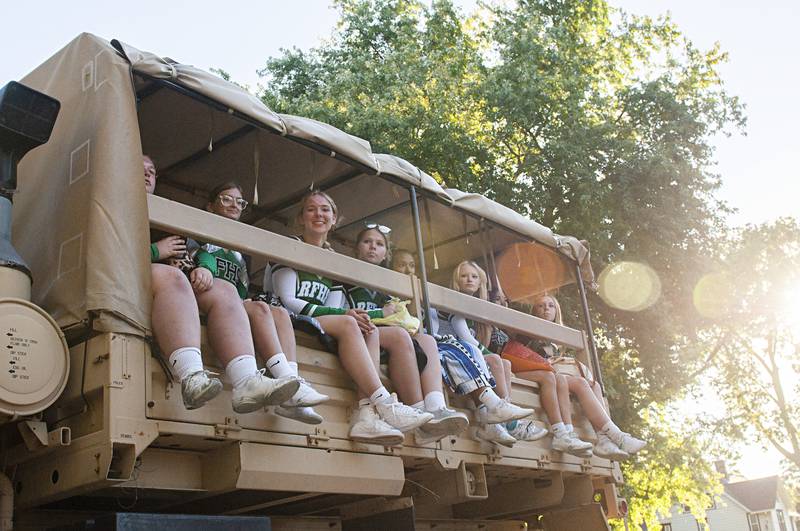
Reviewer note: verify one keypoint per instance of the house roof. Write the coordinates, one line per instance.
(755, 494)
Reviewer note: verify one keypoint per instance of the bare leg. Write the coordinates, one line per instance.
(353, 352)
(564, 404)
(547, 392)
(431, 377)
(176, 322)
(508, 375)
(495, 364)
(265, 336)
(228, 324)
(283, 324)
(592, 407)
(599, 394)
(403, 370)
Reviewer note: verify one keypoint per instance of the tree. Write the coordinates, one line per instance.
(754, 339)
(593, 127)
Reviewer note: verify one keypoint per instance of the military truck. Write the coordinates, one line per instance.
(118, 438)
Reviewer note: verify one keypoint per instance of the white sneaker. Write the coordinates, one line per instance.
(258, 391)
(423, 436)
(571, 446)
(527, 430)
(506, 412)
(367, 427)
(306, 396)
(607, 449)
(630, 444)
(495, 433)
(446, 421)
(398, 415)
(198, 388)
(304, 414)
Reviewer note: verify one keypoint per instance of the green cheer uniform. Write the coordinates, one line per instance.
(368, 300)
(225, 264)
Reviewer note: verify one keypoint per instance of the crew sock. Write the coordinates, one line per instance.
(559, 429)
(613, 432)
(434, 401)
(185, 361)
(278, 366)
(241, 368)
(380, 395)
(490, 399)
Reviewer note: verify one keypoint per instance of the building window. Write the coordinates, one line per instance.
(666, 527)
(754, 526)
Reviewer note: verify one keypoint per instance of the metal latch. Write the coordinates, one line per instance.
(231, 424)
(544, 460)
(319, 436)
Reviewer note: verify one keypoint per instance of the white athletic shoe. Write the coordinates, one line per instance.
(198, 388)
(495, 433)
(306, 396)
(527, 430)
(304, 414)
(572, 446)
(446, 421)
(506, 412)
(423, 436)
(398, 415)
(630, 444)
(258, 391)
(367, 427)
(607, 449)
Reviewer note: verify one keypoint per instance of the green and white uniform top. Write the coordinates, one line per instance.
(368, 300)
(305, 293)
(225, 264)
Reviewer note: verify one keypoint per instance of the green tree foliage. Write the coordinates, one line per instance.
(590, 121)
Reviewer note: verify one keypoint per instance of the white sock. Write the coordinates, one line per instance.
(278, 366)
(570, 428)
(241, 368)
(489, 398)
(612, 431)
(434, 401)
(559, 429)
(185, 361)
(380, 395)
(295, 369)
(419, 405)
(364, 402)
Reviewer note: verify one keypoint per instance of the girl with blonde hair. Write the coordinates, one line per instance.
(380, 418)
(612, 442)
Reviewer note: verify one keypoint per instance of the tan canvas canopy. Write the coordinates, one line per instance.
(80, 217)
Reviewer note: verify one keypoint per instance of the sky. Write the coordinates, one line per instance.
(759, 174)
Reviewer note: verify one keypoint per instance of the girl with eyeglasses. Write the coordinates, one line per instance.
(417, 383)
(380, 418)
(239, 328)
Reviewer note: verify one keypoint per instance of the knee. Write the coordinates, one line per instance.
(549, 378)
(168, 277)
(506, 365)
(493, 361)
(280, 315)
(350, 326)
(259, 309)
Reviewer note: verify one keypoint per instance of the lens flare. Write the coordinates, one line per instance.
(712, 295)
(629, 286)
